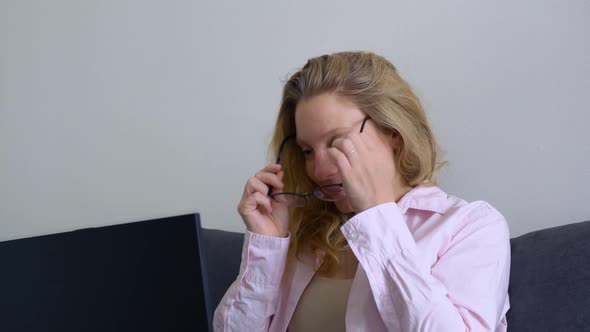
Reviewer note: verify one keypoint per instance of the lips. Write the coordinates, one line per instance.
(333, 191)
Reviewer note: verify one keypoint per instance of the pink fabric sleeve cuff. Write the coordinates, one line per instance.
(379, 228)
(264, 258)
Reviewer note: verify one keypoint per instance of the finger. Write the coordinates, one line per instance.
(359, 143)
(342, 162)
(347, 147)
(263, 201)
(254, 202)
(254, 185)
(271, 168)
(270, 179)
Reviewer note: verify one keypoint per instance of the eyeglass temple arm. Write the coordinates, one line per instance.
(364, 122)
(278, 161)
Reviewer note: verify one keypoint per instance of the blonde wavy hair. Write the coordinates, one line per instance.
(374, 86)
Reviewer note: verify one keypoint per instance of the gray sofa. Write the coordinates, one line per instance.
(549, 279)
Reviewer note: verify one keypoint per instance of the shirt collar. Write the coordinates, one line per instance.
(426, 197)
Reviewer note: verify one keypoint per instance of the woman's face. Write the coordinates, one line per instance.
(321, 119)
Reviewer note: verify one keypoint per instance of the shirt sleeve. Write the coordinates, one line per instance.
(251, 300)
(465, 290)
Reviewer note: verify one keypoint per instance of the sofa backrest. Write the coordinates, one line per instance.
(222, 254)
(550, 280)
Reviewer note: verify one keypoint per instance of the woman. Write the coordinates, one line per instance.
(348, 231)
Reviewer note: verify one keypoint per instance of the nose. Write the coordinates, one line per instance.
(322, 168)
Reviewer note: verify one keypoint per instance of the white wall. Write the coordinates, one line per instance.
(116, 111)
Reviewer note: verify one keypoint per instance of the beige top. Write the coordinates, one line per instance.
(322, 306)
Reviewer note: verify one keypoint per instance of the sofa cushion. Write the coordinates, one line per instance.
(550, 280)
(222, 252)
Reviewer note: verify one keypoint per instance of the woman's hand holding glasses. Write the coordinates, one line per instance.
(261, 214)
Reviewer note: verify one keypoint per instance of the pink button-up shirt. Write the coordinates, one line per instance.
(431, 262)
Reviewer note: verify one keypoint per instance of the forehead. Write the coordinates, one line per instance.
(318, 116)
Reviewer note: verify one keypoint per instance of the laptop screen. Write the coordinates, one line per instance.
(141, 276)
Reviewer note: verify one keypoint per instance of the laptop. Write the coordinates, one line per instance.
(141, 276)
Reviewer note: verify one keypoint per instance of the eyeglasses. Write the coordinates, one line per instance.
(300, 200)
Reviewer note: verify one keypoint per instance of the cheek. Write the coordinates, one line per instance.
(385, 147)
(309, 167)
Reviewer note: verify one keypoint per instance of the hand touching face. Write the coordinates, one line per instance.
(336, 152)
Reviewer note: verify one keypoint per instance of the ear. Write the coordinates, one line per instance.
(396, 140)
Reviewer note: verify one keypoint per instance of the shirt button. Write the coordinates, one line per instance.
(353, 235)
(362, 251)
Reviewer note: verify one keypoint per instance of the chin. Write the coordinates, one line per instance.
(344, 206)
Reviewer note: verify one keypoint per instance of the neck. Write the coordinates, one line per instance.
(401, 192)
(400, 187)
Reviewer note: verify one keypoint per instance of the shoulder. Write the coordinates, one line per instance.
(459, 214)
(477, 219)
